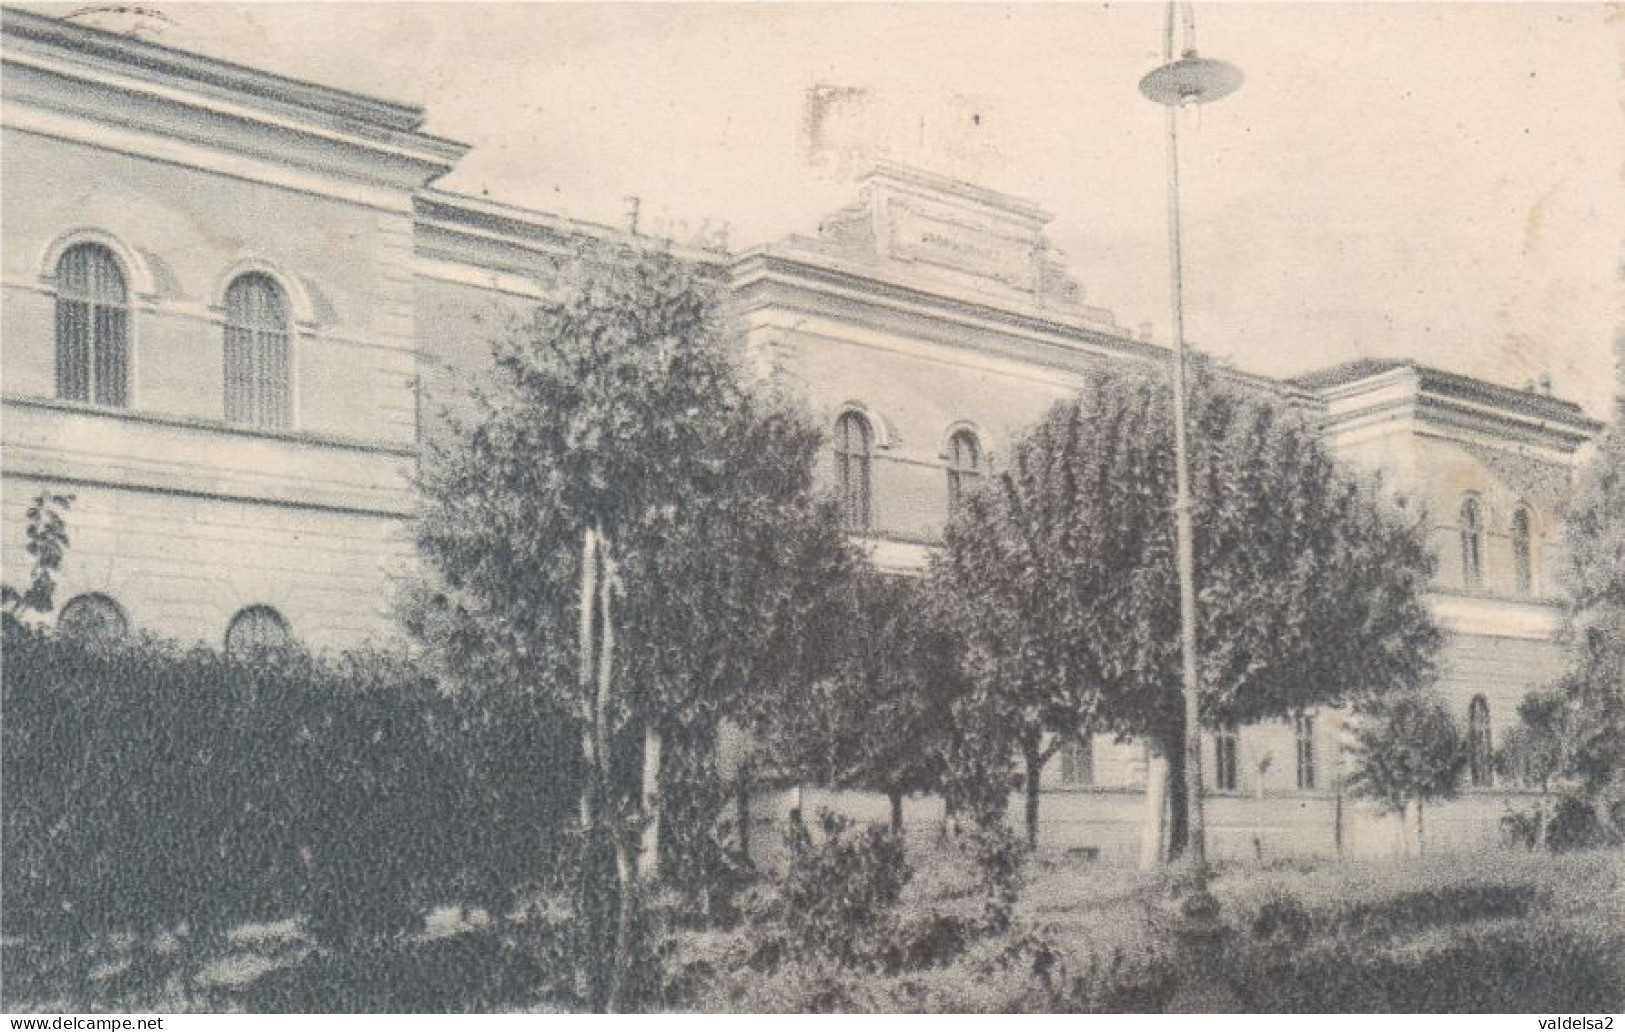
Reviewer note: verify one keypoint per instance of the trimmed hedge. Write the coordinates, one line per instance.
(147, 787)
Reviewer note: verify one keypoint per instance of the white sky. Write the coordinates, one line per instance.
(1440, 181)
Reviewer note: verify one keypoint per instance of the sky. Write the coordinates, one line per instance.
(1434, 181)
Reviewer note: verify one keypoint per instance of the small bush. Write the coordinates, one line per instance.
(839, 895)
(1281, 919)
(1521, 828)
(999, 855)
(1574, 825)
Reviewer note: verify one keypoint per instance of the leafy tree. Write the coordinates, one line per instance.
(618, 530)
(1595, 685)
(1410, 750)
(47, 545)
(875, 724)
(1532, 752)
(1310, 587)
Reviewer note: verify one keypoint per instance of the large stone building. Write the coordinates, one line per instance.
(233, 302)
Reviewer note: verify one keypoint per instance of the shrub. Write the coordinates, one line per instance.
(1575, 825)
(1522, 828)
(149, 787)
(1504, 968)
(998, 854)
(840, 894)
(1281, 919)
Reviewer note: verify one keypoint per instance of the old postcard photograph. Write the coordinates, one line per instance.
(785, 508)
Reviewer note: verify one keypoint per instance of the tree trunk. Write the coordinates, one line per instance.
(742, 809)
(896, 798)
(1421, 830)
(626, 871)
(649, 855)
(1034, 761)
(621, 981)
(1178, 798)
(1154, 833)
(587, 663)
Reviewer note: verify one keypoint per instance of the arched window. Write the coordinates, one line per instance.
(255, 629)
(93, 617)
(1479, 754)
(964, 466)
(1078, 761)
(1224, 755)
(1523, 550)
(1472, 543)
(92, 327)
(257, 357)
(854, 459)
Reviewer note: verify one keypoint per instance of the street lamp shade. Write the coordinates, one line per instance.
(1191, 80)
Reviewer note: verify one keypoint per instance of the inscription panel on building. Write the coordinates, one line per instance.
(979, 250)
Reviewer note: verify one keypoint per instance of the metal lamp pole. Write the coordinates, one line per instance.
(1176, 84)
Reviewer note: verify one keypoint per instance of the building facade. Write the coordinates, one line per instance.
(233, 304)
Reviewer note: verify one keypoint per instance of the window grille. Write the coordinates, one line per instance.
(854, 462)
(257, 353)
(92, 327)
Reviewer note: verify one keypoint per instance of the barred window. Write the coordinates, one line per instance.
(256, 629)
(1472, 543)
(257, 353)
(1304, 729)
(92, 327)
(854, 461)
(1479, 755)
(964, 466)
(1224, 755)
(1523, 550)
(93, 617)
(1078, 761)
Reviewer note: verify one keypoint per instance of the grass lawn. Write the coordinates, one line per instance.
(1518, 932)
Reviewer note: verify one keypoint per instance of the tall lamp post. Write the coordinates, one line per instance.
(1176, 84)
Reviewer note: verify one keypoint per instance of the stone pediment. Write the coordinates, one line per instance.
(924, 225)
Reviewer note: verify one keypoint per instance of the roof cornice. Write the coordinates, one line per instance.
(479, 220)
(757, 273)
(222, 78)
(1450, 405)
(105, 79)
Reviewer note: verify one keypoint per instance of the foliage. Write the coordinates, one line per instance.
(1595, 684)
(877, 722)
(840, 893)
(1594, 529)
(978, 770)
(1576, 825)
(1531, 753)
(1465, 947)
(149, 787)
(1524, 828)
(47, 544)
(1310, 587)
(998, 856)
(1408, 750)
(618, 452)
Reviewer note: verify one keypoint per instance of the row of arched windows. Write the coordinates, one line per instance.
(93, 339)
(854, 468)
(97, 617)
(1472, 527)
